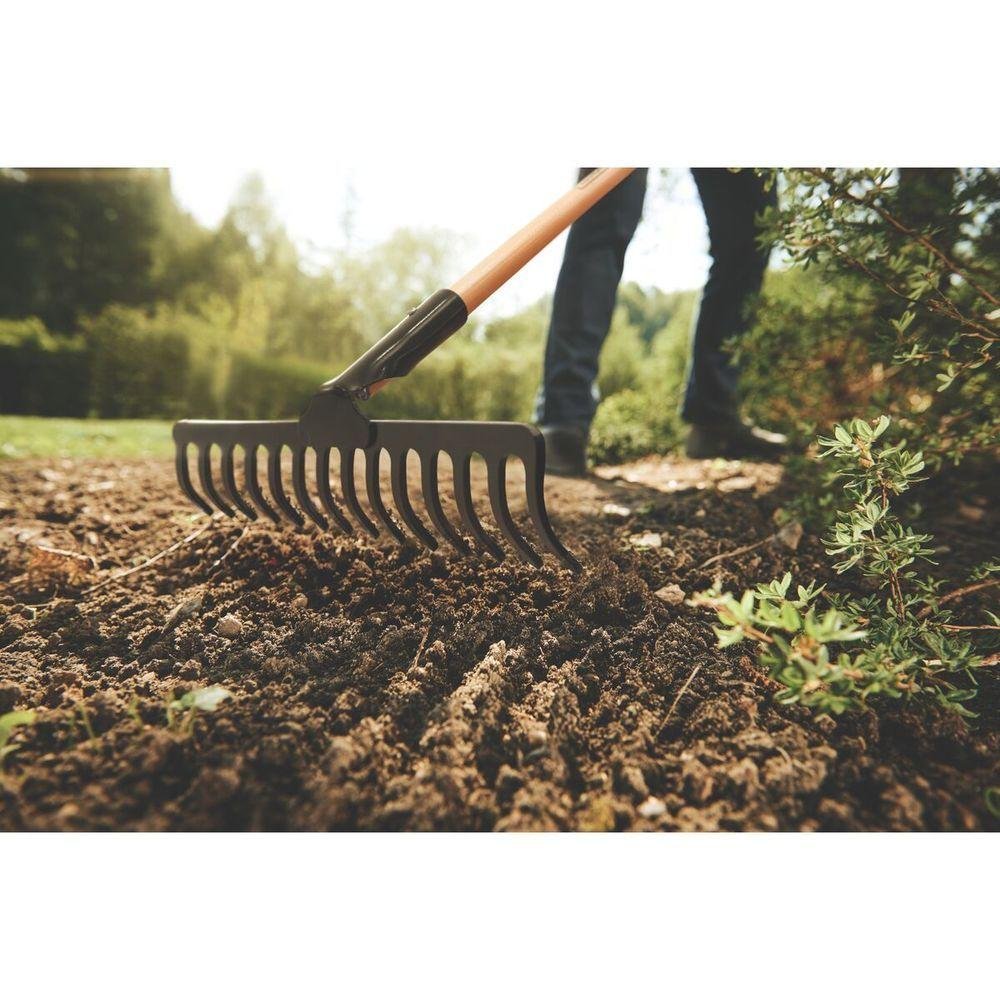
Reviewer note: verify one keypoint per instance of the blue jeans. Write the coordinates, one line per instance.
(588, 283)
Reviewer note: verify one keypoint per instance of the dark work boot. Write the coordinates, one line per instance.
(565, 450)
(735, 439)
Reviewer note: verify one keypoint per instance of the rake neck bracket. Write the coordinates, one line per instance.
(333, 410)
(404, 346)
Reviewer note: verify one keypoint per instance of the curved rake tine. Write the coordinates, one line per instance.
(299, 485)
(351, 493)
(184, 479)
(496, 479)
(325, 494)
(432, 501)
(229, 483)
(277, 490)
(205, 477)
(253, 487)
(397, 479)
(463, 500)
(372, 459)
(534, 486)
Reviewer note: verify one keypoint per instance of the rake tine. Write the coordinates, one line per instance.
(351, 493)
(497, 481)
(301, 493)
(277, 490)
(325, 494)
(253, 487)
(372, 459)
(432, 501)
(400, 497)
(463, 500)
(205, 477)
(534, 485)
(229, 483)
(184, 478)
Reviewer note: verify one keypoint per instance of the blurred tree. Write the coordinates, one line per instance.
(73, 241)
(392, 277)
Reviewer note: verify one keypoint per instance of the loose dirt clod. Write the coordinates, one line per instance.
(229, 626)
(789, 535)
(187, 608)
(670, 594)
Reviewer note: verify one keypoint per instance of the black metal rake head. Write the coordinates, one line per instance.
(332, 421)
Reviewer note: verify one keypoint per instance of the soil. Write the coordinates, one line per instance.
(376, 687)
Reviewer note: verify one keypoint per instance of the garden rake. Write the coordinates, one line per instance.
(332, 420)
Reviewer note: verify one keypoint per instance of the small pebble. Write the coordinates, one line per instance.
(616, 512)
(646, 540)
(670, 594)
(790, 535)
(652, 808)
(300, 601)
(229, 626)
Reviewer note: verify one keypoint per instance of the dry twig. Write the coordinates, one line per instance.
(736, 552)
(961, 592)
(152, 559)
(680, 694)
(232, 548)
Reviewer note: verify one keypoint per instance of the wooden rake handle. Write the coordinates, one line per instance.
(446, 311)
(499, 267)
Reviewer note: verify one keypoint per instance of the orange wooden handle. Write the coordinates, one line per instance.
(492, 272)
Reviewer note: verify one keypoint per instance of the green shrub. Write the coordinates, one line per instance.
(646, 369)
(269, 388)
(41, 373)
(138, 368)
(623, 429)
(807, 360)
(902, 311)
(623, 358)
(468, 378)
(897, 641)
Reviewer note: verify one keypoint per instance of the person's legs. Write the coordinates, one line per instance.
(731, 201)
(583, 303)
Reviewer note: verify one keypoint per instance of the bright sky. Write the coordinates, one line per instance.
(485, 204)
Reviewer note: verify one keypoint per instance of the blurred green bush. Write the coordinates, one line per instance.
(41, 373)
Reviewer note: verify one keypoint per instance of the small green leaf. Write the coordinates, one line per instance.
(206, 699)
(992, 797)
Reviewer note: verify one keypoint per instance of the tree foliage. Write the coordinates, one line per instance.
(910, 321)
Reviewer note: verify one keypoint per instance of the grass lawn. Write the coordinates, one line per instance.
(63, 437)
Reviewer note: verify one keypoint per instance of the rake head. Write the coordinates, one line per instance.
(331, 421)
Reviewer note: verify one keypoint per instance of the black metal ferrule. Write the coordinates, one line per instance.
(409, 342)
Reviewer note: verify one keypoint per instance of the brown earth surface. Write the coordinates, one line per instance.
(376, 687)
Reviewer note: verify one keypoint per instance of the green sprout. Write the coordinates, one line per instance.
(8, 723)
(182, 712)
